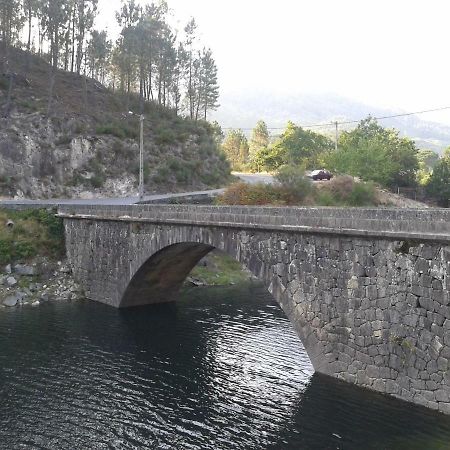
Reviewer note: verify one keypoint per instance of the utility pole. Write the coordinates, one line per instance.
(337, 136)
(141, 158)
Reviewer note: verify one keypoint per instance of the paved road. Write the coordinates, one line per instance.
(247, 177)
(108, 201)
(253, 178)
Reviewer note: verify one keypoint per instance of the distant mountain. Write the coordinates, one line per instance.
(243, 110)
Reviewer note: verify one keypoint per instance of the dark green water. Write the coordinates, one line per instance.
(222, 369)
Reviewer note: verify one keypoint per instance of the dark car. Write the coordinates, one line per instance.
(321, 174)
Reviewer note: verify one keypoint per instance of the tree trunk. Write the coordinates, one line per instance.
(73, 41)
(50, 92)
(7, 109)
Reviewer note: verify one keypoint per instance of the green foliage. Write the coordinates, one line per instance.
(267, 158)
(217, 132)
(374, 153)
(35, 232)
(439, 183)
(363, 194)
(260, 139)
(344, 191)
(97, 181)
(177, 170)
(428, 158)
(120, 130)
(295, 184)
(165, 136)
(235, 146)
(295, 146)
(221, 270)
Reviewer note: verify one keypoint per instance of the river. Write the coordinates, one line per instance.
(220, 369)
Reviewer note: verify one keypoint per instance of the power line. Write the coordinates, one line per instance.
(348, 122)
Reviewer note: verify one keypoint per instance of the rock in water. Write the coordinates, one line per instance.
(8, 268)
(11, 300)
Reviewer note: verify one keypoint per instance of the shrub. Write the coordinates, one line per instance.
(162, 175)
(325, 198)
(97, 181)
(295, 184)
(340, 186)
(363, 194)
(251, 194)
(120, 130)
(344, 191)
(165, 136)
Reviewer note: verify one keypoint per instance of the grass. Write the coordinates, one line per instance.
(222, 270)
(36, 232)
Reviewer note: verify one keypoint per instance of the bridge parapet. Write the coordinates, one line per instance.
(428, 224)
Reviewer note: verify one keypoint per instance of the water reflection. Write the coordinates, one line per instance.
(221, 369)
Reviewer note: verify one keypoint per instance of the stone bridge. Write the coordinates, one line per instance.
(367, 290)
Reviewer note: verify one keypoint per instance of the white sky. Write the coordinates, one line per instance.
(390, 53)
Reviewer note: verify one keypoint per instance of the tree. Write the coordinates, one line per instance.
(208, 87)
(427, 159)
(190, 30)
(54, 16)
(295, 146)
(217, 132)
(86, 12)
(148, 57)
(31, 8)
(235, 147)
(439, 183)
(260, 138)
(98, 51)
(11, 21)
(374, 153)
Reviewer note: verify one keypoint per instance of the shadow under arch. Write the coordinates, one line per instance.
(160, 277)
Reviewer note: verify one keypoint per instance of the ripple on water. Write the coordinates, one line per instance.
(223, 369)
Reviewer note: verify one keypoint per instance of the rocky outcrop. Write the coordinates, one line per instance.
(35, 283)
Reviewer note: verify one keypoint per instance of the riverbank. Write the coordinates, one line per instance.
(218, 269)
(37, 282)
(32, 259)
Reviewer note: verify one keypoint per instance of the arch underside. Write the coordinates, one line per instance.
(160, 278)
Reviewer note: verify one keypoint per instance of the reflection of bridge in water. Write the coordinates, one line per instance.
(367, 290)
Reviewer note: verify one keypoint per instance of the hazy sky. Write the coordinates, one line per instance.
(391, 53)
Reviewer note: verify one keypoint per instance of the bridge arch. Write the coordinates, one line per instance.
(159, 279)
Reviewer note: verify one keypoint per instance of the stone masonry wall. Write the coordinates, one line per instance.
(371, 311)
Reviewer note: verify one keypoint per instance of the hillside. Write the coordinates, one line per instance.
(88, 143)
(243, 110)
